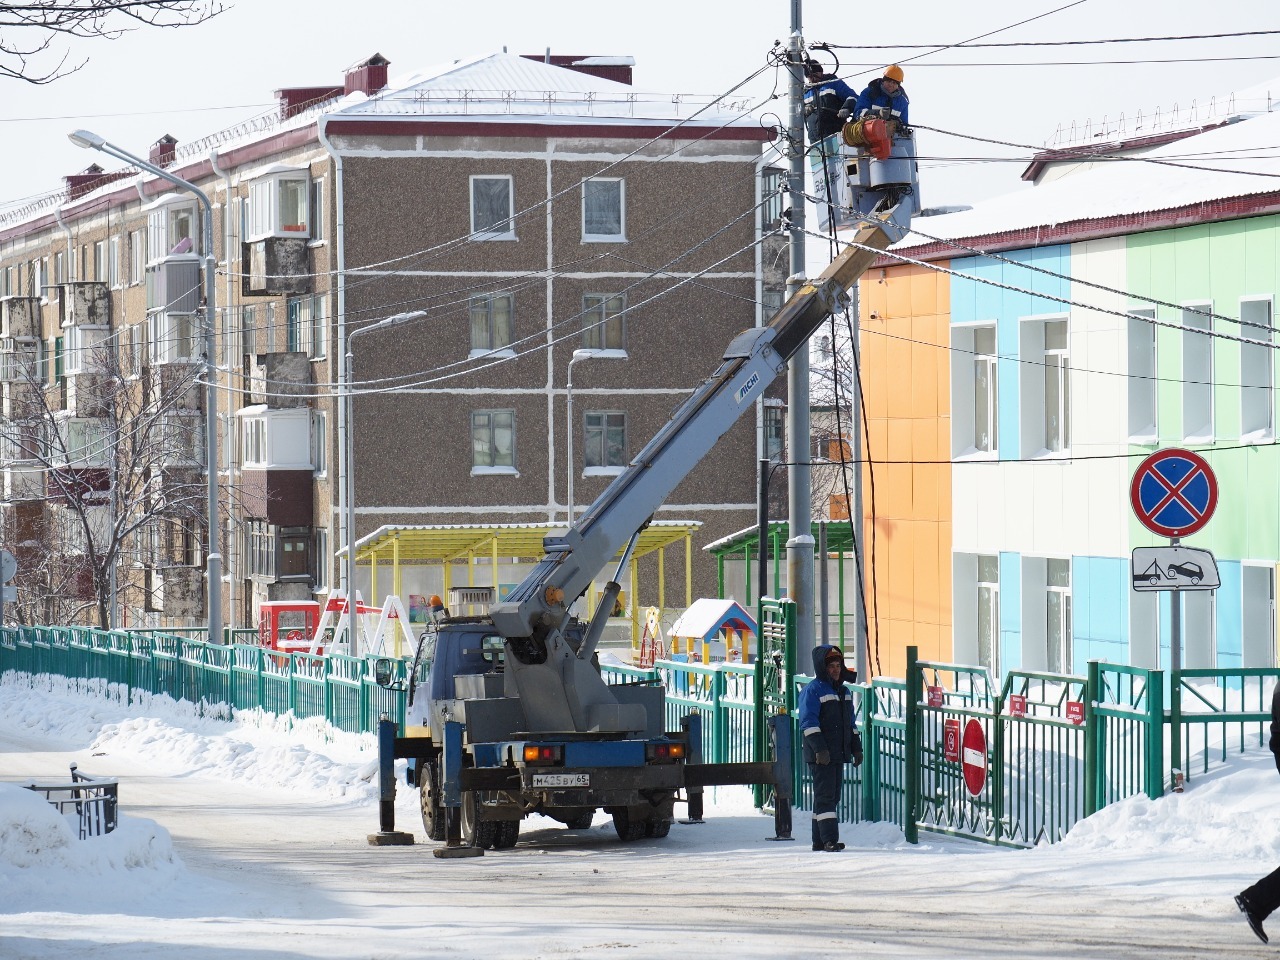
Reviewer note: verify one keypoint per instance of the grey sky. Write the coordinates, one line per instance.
(154, 82)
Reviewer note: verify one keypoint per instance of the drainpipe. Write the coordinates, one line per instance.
(230, 547)
(345, 536)
(71, 257)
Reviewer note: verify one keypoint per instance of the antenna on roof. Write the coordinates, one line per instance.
(547, 59)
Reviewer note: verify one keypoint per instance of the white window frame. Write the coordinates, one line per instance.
(1033, 379)
(1197, 384)
(1257, 613)
(597, 186)
(988, 597)
(319, 443)
(1065, 650)
(599, 435)
(598, 322)
(168, 333)
(491, 468)
(275, 438)
(99, 261)
(320, 560)
(510, 232)
(1143, 412)
(267, 205)
(966, 362)
(1257, 372)
(137, 257)
(315, 216)
(113, 262)
(485, 305)
(165, 218)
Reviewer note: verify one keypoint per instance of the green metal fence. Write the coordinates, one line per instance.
(1052, 748)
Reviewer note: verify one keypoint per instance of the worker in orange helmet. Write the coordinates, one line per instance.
(884, 98)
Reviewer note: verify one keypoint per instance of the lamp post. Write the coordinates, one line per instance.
(91, 141)
(568, 394)
(349, 443)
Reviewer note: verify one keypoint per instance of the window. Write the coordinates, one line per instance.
(276, 438)
(113, 262)
(60, 267)
(986, 389)
(492, 208)
(602, 322)
(1057, 387)
(320, 560)
(493, 441)
(249, 330)
(271, 327)
(171, 229)
(317, 210)
(830, 448)
(1058, 616)
(774, 419)
(83, 348)
(989, 613)
(1197, 373)
(137, 257)
(1142, 375)
(491, 322)
(260, 549)
(173, 338)
(319, 327)
(773, 193)
(1258, 615)
(253, 442)
(306, 328)
(100, 261)
(278, 206)
(81, 441)
(603, 210)
(319, 442)
(7, 287)
(606, 439)
(1256, 421)
(38, 279)
(20, 361)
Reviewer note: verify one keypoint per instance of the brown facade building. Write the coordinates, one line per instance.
(524, 214)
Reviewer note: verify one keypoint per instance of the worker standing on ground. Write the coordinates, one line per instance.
(831, 740)
(1261, 900)
(884, 98)
(824, 95)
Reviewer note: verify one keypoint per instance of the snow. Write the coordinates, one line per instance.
(1235, 160)
(245, 838)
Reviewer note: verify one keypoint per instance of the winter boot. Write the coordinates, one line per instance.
(1251, 914)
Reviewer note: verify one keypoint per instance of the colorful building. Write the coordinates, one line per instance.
(1073, 328)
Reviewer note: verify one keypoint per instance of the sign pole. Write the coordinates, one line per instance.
(1175, 682)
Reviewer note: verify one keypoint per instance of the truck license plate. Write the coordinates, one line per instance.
(562, 779)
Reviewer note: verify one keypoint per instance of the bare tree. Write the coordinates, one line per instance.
(112, 490)
(34, 36)
(832, 387)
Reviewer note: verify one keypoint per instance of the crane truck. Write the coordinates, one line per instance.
(512, 716)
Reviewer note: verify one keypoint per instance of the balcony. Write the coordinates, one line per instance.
(173, 285)
(275, 266)
(175, 591)
(85, 304)
(23, 482)
(20, 317)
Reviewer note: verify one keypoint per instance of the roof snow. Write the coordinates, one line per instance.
(1236, 160)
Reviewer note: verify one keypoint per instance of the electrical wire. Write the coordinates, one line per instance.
(1054, 43)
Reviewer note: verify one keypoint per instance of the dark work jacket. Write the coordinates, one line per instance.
(874, 98)
(826, 713)
(822, 101)
(1274, 743)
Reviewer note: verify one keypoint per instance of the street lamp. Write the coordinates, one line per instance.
(568, 391)
(348, 443)
(91, 141)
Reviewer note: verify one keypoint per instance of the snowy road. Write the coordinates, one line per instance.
(272, 872)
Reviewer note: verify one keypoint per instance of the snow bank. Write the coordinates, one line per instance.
(307, 759)
(43, 863)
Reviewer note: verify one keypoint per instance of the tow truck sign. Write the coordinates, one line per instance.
(1174, 568)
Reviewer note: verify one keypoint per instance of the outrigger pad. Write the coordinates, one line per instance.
(456, 853)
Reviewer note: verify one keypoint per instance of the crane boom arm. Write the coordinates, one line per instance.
(751, 362)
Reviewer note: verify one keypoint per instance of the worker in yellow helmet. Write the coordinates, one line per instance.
(884, 98)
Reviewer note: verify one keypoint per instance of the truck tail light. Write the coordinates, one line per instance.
(543, 755)
(664, 752)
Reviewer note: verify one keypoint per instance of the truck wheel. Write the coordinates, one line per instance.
(507, 835)
(627, 828)
(581, 821)
(476, 832)
(657, 827)
(429, 796)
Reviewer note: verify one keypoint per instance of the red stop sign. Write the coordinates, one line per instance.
(974, 757)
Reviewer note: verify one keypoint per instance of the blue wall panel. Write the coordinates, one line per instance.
(978, 299)
(1100, 610)
(1229, 615)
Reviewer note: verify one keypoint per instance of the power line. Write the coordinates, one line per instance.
(1051, 43)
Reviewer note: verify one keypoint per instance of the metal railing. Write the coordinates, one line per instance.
(92, 801)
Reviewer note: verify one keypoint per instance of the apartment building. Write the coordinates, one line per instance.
(529, 213)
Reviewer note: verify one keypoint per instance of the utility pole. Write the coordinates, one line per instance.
(800, 542)
(862, 653)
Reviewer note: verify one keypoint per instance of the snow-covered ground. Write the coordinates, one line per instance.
(246, 839)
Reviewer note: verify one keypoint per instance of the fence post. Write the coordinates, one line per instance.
(997, 762)
(870, 772)
(1093, 731)
(1175, 729)
(719, 720)
(1155, 731)
(911, 749)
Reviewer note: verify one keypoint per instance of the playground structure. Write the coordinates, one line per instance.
(713, 631)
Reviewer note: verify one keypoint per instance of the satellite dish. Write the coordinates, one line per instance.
(8, 566)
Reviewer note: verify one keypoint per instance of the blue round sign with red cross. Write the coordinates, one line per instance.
(1174, 492)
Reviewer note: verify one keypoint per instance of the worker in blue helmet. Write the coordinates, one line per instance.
(830, 734)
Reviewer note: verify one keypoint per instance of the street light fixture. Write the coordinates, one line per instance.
(91, 141)
(568, 391)
(349, 444)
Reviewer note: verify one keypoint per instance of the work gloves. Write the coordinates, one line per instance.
(857, 749)
(842, 114)
(822, 757)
